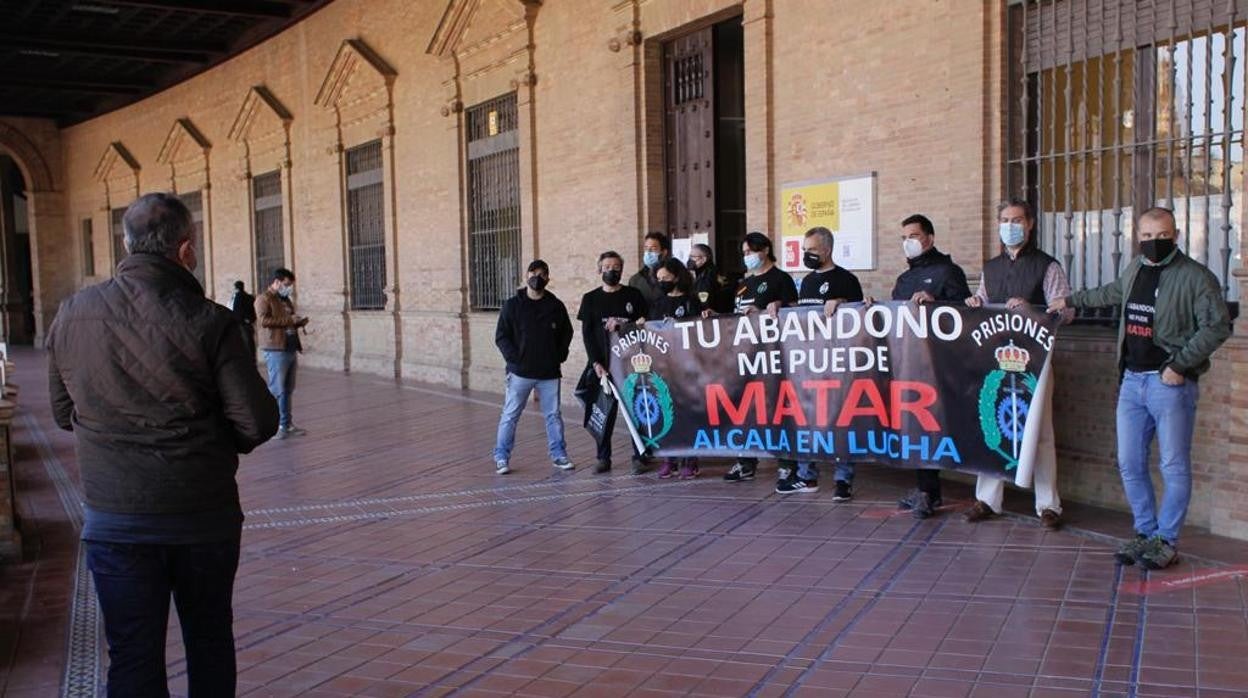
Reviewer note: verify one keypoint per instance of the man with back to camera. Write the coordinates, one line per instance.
(533, 335)
(243, 305)
(156, 383)
(1173, 318)
(931, 277)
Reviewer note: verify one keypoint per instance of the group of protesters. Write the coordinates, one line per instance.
(160, 387)
(1173, 317)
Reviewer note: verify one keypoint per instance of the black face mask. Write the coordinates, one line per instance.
(537, 283)
(1157, 249)
(611, 277)
(693, 266)
(812, 260)
(667, 286)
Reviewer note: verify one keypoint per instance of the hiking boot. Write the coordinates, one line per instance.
(688, 471)
(844, 491)
(603, 466)
(1128, 551)
(563, 463)
(667, 470)
(639, 465)
(922, 506)
(978, 512)
(739, 472)
(501, 467)
(1050, 519)
(795, 485)
(1157, 554)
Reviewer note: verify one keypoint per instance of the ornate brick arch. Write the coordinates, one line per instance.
(34, 167)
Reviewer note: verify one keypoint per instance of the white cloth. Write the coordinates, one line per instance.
(1041, 469)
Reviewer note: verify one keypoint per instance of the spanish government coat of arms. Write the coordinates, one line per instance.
(1004, 401)
(648, 400)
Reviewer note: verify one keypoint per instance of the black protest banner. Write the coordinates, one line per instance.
(921, 386)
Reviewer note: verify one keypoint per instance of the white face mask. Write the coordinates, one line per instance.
(1012, 234)
(285, 291)
(912, 247)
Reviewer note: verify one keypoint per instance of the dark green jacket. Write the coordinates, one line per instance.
(1191, 321)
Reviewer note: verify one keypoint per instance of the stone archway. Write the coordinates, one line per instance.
(45, 206)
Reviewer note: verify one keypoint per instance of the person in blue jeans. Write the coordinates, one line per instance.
(161, 521)
(1173, 319)
(275, 313)
(533, 335)
(823, 288)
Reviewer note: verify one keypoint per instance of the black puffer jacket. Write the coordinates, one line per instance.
(934, 272)
(158, 387)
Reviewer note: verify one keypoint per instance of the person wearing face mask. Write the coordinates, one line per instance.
(1173, 317)
(932, 277)
(604, 310)
(656, 248)
(157, 386)
(1021, 275)
(765, 288)
(709, 286)
(676, 303)
(533, 335)
(275, 312)
(822, 290)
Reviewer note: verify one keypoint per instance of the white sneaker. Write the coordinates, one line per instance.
(564, 463)
(501, 467)
(293, 430)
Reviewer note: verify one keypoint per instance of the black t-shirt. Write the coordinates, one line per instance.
(761, 290)
(1142, 354)
(684, 307)
(597, 306)
(818, 287)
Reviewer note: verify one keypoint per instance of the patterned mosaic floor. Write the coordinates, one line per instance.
(382, 557)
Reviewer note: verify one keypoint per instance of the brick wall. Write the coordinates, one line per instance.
(912, 91)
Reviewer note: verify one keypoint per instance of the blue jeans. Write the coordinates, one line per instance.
(134, 582)
(1146, 406)
(808, 470)
(518, 391)
(282, 368)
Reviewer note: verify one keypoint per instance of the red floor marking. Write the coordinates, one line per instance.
(1195, 578)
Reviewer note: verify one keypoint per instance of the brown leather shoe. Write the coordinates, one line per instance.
(978, 512)
(1050, 519)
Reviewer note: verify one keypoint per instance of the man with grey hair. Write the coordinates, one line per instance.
(822, 290)
(156, 383)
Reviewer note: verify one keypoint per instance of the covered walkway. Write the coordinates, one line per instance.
(382, 557)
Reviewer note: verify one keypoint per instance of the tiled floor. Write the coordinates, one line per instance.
(382, 557)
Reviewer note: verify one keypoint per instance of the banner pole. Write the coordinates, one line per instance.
(609, 386)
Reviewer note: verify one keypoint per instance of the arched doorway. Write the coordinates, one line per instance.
(17, 303)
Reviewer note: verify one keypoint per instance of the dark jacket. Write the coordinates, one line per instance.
(934, 272)
(1192, 320)
(244, 307)
(1018, 277)
(712, 290)
(646, 281)
(534, 335)
(157, 385)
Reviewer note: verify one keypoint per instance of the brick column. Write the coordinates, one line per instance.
(760, 174)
